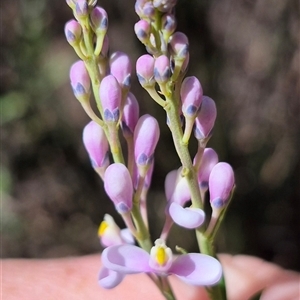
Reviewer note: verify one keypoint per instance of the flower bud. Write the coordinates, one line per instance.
(80, 81)
(81, 9)
(96, 145)
(221, 183)
(120, 68)
(130, 115)
(99, 19)
(205, 120)
(110, 95)
(179, 45)
(208, 161)
(146, 135)
(191, 96)
(144, 9)
(164, 5)
(118, 186)
(142, 30)
(162, 70)
(168, 24)
(145, 70)
(73, 32)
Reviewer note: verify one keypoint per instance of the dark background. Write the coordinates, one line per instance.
(246, 55)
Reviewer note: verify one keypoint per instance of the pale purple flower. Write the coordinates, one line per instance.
(73, 32)
(96, 145)
(81, 9)
(192, 268)
(118, 186)
(80, 81)
(178, 193)
(110, 234)
(191, 96)
(130, 115)
(162, 71)
(110, 95)
(221, 182)
(145, 70)
(205, 119)
(146, 135)
(120, 68)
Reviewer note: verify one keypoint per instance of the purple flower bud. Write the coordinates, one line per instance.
(191, 96)
(71, 3)
(96, 144)
(120, 67)
(99, 19)
(206, 118)
(145, 70)
(142, 30)
(168, 24)
(130, 114)
(110, 95)
(179, 45)
(164, 5)
(81, 9)
(80, 81)
(146, 135)
(73, 32)
(144, 9)
(162, 70)
(208, 161)
(221, 183)
(118, 186)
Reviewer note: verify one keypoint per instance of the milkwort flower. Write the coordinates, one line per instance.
(192, 268)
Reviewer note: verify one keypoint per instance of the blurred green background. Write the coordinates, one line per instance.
(246, 55)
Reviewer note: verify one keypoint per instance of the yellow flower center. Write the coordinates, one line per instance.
(161, 256)
(103, 226)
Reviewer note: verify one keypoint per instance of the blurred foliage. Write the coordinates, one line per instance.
(246, 54)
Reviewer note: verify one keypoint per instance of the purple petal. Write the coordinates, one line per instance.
(170, 183)
(197, 269)
(221, 182)
(126, 259)
(109, 279)
(127, 236)
(118, 186)
(186, 217)
(181, 192)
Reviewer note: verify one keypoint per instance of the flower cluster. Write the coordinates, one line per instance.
(161, 72)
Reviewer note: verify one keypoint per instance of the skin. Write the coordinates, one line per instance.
(76, 278)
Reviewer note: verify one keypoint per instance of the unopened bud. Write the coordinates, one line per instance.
(120, 68)
(162, 70)
(145, 70)
(168, 24)
(110, 95)
(81, 9)
(130, 115)
(205, 120)
(221, 183)
(73, 32)
(142, 30)
(96, 145)
(145, 9)
(191, 96)
(164, 5)
(118, 186)
(146, 135)
(99, 19)
(179, 45)
(80, 81)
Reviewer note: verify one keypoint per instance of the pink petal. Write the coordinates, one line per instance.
(197, 269)
(120, 68)
(109, 279)
(186, 217)
(170, 183)
(126, 259)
